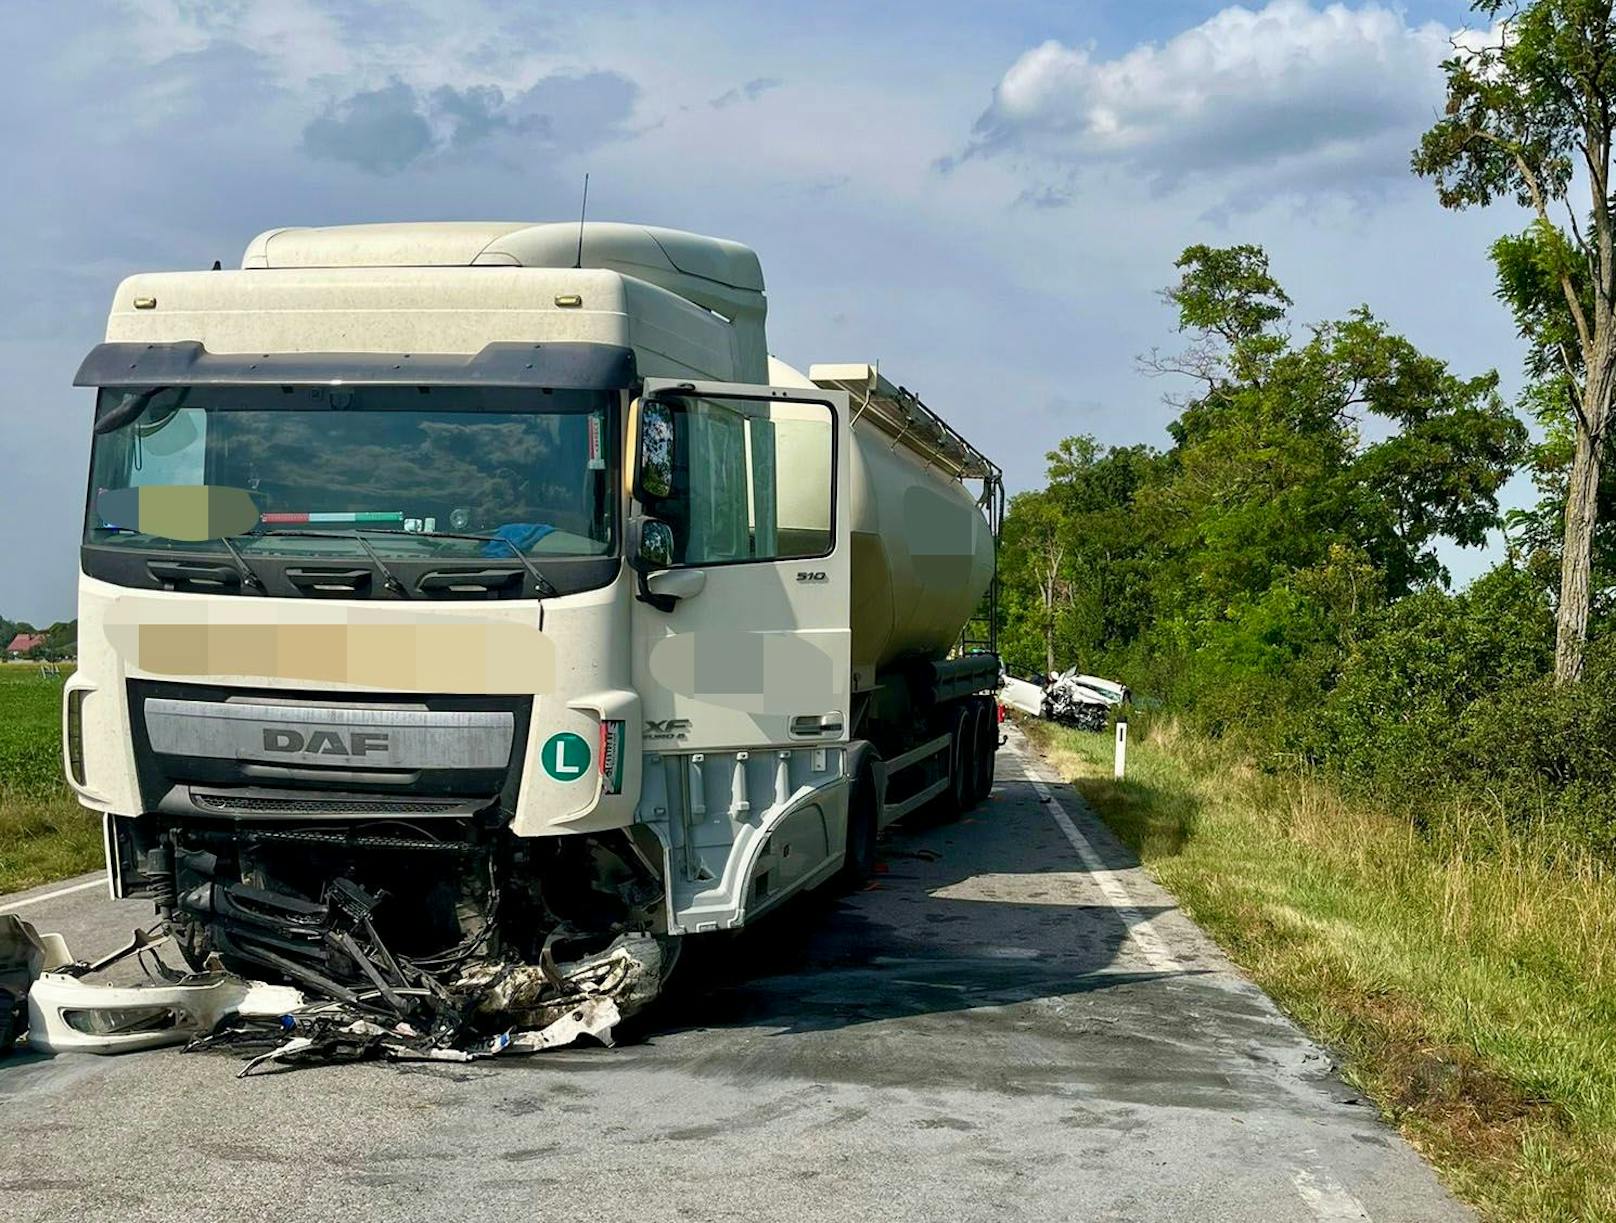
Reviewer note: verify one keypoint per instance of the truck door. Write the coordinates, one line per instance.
(739, 543)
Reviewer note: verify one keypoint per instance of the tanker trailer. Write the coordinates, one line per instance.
(923, 560)
(469, 611)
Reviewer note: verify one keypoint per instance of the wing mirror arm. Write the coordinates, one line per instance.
(644, 593)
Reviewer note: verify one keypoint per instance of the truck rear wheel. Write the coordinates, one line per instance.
(987, 747)
(958, 798)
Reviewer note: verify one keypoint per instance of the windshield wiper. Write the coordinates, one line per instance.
(544, 585)
(541, 583)
(389, 579)
(248, 574)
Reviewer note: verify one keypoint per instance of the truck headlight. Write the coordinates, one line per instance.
(73, 734)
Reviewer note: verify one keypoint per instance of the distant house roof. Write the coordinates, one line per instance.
(23, 642)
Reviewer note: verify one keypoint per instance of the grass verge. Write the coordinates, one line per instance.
(1471, 995)
(43, 839)
(44, 833)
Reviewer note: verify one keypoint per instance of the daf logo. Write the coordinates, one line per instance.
(324, 742)
(668, 728)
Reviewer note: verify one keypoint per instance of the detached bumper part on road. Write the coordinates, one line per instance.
(67, 1014)
(487, 1008)
(24, 954)
(70, 1015)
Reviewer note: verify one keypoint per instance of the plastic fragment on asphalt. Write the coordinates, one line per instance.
(67, 1014)
(25, 953)
(595, 1017)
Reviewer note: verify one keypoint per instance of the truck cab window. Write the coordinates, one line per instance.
(165, 445)
(752, 481)
(411, 466)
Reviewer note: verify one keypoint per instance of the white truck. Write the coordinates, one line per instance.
(469, 598)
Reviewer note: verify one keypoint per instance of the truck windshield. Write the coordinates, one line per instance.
(417, 468)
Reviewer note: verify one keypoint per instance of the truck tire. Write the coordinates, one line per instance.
(957, 799)
(989, 744)
(863, 823)
(984, 746)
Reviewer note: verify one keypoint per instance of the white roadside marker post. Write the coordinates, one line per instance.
(1122, 750)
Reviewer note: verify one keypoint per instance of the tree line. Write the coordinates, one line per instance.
(1274, 571)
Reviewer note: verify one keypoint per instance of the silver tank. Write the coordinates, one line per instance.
(922, 549)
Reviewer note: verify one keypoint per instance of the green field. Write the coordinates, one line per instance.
(44, 833)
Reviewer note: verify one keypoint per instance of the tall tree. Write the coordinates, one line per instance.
(1531, 113)
(1270, 467)
(1036, 544)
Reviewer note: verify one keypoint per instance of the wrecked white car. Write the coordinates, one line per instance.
(1072, 699)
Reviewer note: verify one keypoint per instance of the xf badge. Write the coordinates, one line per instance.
(667, 729)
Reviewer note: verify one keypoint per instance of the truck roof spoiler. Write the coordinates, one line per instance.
(562, 366)
(898, 411)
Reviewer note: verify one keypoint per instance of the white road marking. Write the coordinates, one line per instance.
(1144, 937)
(1320, 1193)
(6, 906)
(1327, 1200)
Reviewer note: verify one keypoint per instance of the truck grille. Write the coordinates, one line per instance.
(216, 751)
(258, 804)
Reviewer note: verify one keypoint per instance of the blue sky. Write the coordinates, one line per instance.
(983, 197)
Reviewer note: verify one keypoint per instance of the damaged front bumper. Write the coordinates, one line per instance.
(406, 936)
(485, 1010)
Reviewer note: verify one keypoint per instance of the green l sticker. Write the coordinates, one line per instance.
(565, 756)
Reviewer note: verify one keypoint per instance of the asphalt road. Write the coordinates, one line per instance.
(1013, 1023)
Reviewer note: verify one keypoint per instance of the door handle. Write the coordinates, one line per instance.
(817, 724)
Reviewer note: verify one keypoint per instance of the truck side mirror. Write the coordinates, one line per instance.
(653, 465)
(650, 549)
(654, 547)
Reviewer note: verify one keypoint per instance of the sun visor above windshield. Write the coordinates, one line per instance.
(563, 366)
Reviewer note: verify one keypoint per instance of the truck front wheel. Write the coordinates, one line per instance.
(858, 860)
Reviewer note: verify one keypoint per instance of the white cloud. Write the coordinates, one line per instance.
(1322, 99)
(186, 122)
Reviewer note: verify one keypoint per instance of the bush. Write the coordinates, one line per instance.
(1394, 716)
(1244, 674)
(1546, 755)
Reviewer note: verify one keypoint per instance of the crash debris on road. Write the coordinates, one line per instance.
(461, 1009)
(1081, 701)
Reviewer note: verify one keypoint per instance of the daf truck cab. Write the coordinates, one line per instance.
(488, 589)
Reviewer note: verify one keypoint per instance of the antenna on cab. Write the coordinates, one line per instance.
(583, 211)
